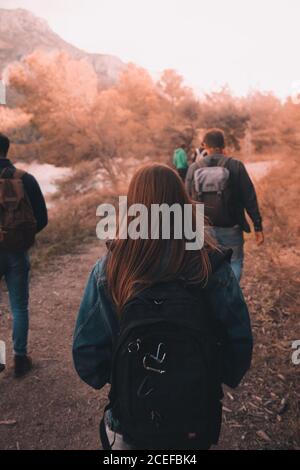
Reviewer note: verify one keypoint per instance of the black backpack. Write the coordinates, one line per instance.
(165, 382)
(213, 188)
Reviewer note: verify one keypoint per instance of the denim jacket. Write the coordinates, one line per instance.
(97, 326)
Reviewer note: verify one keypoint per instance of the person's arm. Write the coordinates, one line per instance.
(231, 316)
(37, 201)
(95, 330)
(185, 158)
(249, 198)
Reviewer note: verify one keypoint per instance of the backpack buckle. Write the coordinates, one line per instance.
(159, 359)
(134, 346)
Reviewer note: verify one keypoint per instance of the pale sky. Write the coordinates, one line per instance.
(243, 43)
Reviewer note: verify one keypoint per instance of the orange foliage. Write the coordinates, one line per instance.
(70, 118)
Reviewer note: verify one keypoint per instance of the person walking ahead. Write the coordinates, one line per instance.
(224, 186)
(165, 327)
(23, 213)
(180, 161)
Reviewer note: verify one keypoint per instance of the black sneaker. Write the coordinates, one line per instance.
(2, 367)
(23, 365)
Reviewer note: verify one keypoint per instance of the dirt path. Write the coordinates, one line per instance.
(53, 409)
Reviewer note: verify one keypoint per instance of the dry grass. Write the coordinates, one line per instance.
(72, 224)
(278, 274)
(279, 193)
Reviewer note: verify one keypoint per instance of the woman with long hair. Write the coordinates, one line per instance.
(166, 326)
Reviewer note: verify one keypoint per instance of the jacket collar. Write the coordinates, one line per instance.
(215, 156)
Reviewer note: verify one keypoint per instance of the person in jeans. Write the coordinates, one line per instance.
(15, 267)
(230, 233)
(133, 265)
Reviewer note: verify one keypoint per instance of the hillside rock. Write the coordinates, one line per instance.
(21, 33)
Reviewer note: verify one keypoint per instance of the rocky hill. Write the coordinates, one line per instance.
(21, 33)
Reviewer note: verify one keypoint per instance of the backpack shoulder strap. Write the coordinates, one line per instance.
(7, 172)
(224, 162)
(18, 174)
(208, 161)
(11, 173)
(203, 162)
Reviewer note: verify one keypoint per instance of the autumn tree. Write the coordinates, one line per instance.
(65, 117)
(59, 93)
(222, 110)
(265, 112)
(290, 126)
(181, 111)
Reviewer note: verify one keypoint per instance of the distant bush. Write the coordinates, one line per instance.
(279, 197)
(72, 223)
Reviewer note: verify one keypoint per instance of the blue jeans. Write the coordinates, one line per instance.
(232, 237)
(15, 268)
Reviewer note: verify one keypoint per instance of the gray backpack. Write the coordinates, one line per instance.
(213, 188)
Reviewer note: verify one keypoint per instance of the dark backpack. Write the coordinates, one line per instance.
(165, 382)
(213, 188)
(17, 221)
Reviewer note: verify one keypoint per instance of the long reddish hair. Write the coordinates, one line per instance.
(133, 265)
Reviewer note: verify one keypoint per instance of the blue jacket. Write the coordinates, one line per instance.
(97, 326)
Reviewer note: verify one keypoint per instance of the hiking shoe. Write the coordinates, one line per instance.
(23, 365)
